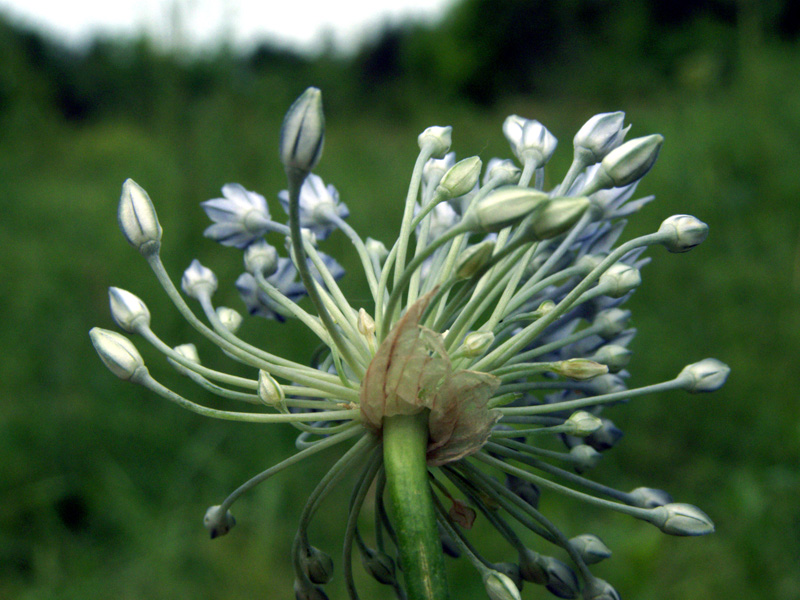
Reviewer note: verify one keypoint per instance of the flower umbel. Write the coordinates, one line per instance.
(476, 378)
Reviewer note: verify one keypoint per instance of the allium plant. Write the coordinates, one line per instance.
(476, 378)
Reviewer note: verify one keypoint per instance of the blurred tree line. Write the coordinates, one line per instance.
(481, 51)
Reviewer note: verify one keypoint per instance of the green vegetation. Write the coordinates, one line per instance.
(104, 488)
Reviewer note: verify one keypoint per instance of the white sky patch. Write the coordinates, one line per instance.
(302, 24)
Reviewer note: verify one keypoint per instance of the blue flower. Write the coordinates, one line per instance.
(240, 217)
(320, 209)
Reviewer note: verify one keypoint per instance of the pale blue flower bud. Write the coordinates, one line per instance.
(591, 548)
(599, 136)
(189, 352)
(438, 139)
(629, 162)
(529, 139)
(128, 310)
(303, 132)
(579, 369)
(561, 580)
(613, 356)
(685, 231)
(606, 437)
(218, 522)
(198, 281)
(461, 178)
(137, 219)
(531, 567)
(500, 587)
(557, 217)
(681, 519)
(585, 457)
(230, 318)
(611, 322)
(502, 169)
(380, 566)
(582, 423)
(376, 249)
(619, 279)
(261, 257)
(598, 589)
(435, 168)
(318, 565)
(644, 497)
(705, 376)
(473, 258)
(477, 342)
(117, 352)
(512, 571)
(270, 391)
(503, 207)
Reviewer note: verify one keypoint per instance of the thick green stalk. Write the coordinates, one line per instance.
(405, 440)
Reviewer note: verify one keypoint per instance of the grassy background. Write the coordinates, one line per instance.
(103, 487)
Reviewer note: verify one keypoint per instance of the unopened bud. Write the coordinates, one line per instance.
(137, 219)
(366, 324)
(198, 281)
(377, 249)
(500, 586)
(584, 457)
(128, 310)
(557, 217)
(644, 497)
(473, 258)
(261, 257)
(619, 279)
(503, 207)
(270, 391)
(561, 580)
(529, 139)
(477, 342)
(606, 437)
(304, 591)
(590, 547)
(579, 369)
(604, 384)
(705, 376)
(117, 352)
(229, 318)
(189, 352)
(582, 423)
(318, 565)
(218, 522)
(685, 232)
(461, 178)
(504, 171)
(303, 132)
(611, 322)
(613, 356)
(512, 571)
(681, 519)
(599, 136)
(380, 566)
(438, 139)
(629, 162)
(598, 589)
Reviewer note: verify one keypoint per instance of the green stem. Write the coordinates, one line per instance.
(405, 440)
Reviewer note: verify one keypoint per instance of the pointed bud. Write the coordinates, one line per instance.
(529, 139)
(584, 457)
(477, 342)
(579, 369)
(461, 178)
(611, 322)
(128, 310)
(531, 567)
(366, 324)
(504, 171)
(303, 132)
(318, 565)
(270, 391)
(644, 497)
(557, 217)
(198, 281)
(473, 258)
(117, 352)
(218, 522)
(500, 587)
(512, 571)
(606, 437)
(189, 352)
(598, 589)
(137, 219)
(605, 384)
(229, 318)
(685, 232)
(591, 548)
(681, 519)
(599, 136)
(613, 356)
(461, 514)
(503, 207)
(376, 250)
(582, 423)
(629, 162)
(619, 279)
(261, 257)
(705, 376)
(561, 580)
(438, 139)
(524, 489)
(380, 566)
(304, 591)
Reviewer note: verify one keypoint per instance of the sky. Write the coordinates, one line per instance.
(305, 25)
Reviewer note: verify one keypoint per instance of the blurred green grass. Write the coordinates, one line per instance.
(103, 487)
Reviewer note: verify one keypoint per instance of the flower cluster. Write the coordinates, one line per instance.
(495, 321)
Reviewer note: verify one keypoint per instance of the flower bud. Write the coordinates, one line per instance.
(599, 136)
(261, 257)
(613, 356)
(598, 589)
(128, 310)
(681, 519)
(503, 207)
(606, 437)
(303, 132)
(557, 217)
(561, 580)
(318, 565)
(435, 168)
(380, 566)
(685, 231)
(605, 384)
(584, 457)
(304, 591)
(376, 249)
(137, 219)
(629, 162)
(644, 497)
(198, 281)
(579, 369)
(230, 318)
(270, 391)
(461, 178)
(438, 139)
(531, 568)
(619, 279)
(512, 571)
(591, 548)
(217, 522)
(500, 586)
(366, 324)
(524, 489)
(529, 139)
(582, 423)
(611, 322)
(589, 262)
(473, 258)
(461, 514)
(117, 352)
(189, 352)
(477, 342)
(705, 376)
(502, 170)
